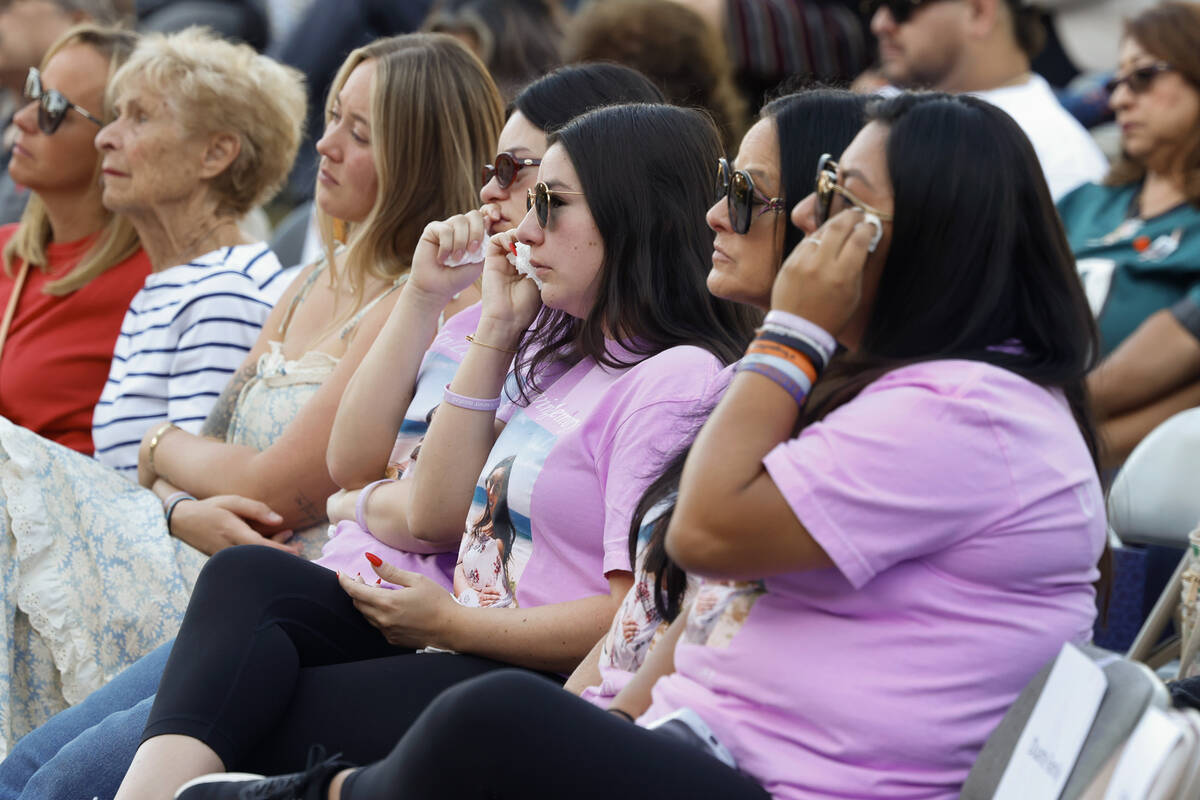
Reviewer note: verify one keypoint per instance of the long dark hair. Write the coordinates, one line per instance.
(496, 514)
(646, 171)
(978, 259)
(809, 124)
(556, 99)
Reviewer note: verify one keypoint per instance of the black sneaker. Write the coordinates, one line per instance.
(308, 785)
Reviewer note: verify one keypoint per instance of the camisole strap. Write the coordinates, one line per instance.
(298, 298)
(352, 323)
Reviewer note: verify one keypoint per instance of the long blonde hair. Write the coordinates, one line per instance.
(117, 240)
(435, 118)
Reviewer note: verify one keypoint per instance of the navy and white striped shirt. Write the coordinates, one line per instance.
(185, 334)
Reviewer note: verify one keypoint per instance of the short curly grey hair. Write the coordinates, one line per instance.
(220, 87)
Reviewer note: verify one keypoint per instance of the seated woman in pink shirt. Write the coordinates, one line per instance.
(907, 546)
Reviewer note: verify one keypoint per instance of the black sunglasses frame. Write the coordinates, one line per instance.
(901, 10)
(506, 168)
(52, 104)
(1138, 80)
(740, 193)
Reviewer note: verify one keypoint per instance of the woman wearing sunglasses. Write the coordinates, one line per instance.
(625, 344)
(70, 266)
(933, 506)
(1136, 237)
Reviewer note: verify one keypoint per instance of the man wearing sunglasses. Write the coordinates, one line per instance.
(984, 47)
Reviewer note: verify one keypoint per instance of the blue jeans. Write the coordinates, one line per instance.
(84, 752)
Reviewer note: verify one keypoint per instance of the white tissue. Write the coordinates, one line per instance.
(521, 262)
(469, 256)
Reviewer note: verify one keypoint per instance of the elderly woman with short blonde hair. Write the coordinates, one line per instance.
(203, 130)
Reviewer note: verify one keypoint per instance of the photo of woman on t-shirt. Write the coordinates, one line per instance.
(720, 610)
(481, 577)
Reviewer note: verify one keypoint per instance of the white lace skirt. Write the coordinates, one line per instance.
(90, 579)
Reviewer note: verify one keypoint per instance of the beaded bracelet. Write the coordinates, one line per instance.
(471, 403)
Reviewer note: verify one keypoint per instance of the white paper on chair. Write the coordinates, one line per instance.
(1049, 745)
(1145, 753)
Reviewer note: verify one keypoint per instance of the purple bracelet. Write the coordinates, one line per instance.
(360, 507)
(471, 403)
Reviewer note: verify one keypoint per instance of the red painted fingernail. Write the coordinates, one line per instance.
(338, 573)
(374, 559)
(513, 247)
(379, 580)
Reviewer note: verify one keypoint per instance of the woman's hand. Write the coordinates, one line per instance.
(510, 300)
(341, 505)
(463, 236)
(418, 614)
(821, 279)
(218, 522)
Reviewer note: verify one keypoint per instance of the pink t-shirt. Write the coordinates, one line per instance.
(554, 501)
(965, 518)
(347, 541)
(637, 626)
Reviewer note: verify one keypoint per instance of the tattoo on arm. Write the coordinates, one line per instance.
(216, 425)
(312, 513)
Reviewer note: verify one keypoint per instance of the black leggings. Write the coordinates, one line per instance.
(512, 735)
(273, 657)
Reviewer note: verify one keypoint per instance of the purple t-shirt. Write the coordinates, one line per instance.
(554, 500)
(637, 626)
(347, 541)
(964, 517)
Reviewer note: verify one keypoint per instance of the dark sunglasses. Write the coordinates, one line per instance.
(53, 106)
(1138, 80)
(741, 196)
(827, 186)
(506, 168)
(539, 199)
(900, 10)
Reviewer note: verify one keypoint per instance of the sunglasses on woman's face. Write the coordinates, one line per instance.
(741, 196)
(506, 168)
(1138, 80)
(540, 198)
(900, 10)
(53, 106)
(827, 186)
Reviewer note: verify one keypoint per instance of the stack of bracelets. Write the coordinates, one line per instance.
(791, 351)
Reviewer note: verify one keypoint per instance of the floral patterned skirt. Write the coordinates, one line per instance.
(90, 579)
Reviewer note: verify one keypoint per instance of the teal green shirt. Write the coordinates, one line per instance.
(1131, 268)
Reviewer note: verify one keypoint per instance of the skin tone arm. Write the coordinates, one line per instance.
(459, 440)
(588, 672)
(290, 475)
(634, 699)
(378, 395)
(1155, 361)
(725, 493)
(554, 637)
(1119, 435)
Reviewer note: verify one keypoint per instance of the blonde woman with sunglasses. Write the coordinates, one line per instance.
(1136, 237)
(70, 267)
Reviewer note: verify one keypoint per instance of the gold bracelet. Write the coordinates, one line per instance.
(154, 440)
(473, 340)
